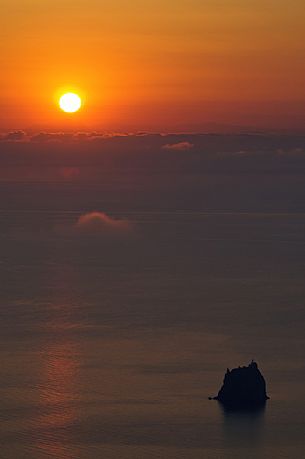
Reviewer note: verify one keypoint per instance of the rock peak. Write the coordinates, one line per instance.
(243, 387)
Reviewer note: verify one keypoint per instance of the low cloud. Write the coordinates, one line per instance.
(41, 137)
(52, 136)
(14, 136)
(179, 146)
(99, 223)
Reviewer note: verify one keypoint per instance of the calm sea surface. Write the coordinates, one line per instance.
(112, 341)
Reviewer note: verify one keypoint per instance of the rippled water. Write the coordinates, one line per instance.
(111, 344)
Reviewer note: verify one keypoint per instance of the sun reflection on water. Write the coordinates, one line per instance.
(59, 390)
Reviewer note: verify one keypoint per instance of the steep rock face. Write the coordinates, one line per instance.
(243, 387)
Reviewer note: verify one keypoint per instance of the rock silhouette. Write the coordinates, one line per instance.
(243, 387)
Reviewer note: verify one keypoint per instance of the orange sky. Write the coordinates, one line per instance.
(160, 65)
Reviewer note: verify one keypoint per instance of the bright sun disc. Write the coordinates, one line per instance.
(70, 102)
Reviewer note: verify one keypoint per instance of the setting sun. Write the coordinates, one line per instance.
(70, 102)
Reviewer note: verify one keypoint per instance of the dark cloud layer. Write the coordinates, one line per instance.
(184, 153)
(211, 171)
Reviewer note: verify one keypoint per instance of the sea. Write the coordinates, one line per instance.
(122, 306)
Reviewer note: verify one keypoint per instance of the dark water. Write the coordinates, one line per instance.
(112, 341)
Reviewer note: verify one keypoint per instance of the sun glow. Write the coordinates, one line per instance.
(70, 102)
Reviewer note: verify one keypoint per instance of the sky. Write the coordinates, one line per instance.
(155, 65)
